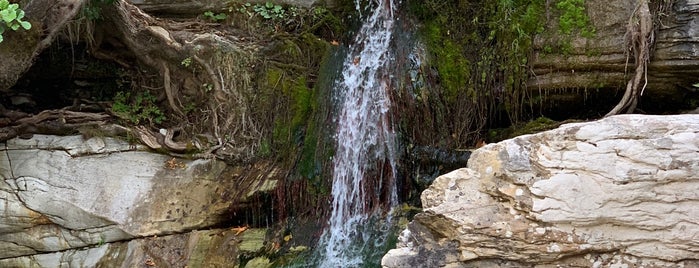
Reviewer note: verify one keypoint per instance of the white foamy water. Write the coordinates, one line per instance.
(365, 145)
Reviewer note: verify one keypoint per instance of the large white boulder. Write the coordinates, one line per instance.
(623, 191)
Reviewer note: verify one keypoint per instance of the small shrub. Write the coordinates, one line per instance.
(574, 16)
(186, 62)
(215, 17)
(137, 109)
(270, 11)
(93, 9)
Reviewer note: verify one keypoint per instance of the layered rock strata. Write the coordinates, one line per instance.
(67, 193)
(619, 192)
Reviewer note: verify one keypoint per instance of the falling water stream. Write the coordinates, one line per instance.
(363, 186)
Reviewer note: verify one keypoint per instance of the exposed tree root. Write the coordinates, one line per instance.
(168, 89)
(216, 97)
(54, 122)
(639, 33)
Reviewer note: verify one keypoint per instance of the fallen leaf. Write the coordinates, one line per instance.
(239, 230)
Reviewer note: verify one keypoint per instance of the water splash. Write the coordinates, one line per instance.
(364, 165)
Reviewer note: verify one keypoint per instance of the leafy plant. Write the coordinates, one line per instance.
(207, 87)
(573, 16)
(11, 17)
(137, 109)
(186, 62)
(93, 10)
(244, 8)
(215, 17)
(270, 11)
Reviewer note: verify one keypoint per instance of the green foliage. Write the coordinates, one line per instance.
(137, 109)
(11, 17)
(573, 16)
(270, 11)
(93, 10)
(454, 68)
(186, 62)
(317, 20)
(477, 50)
(215, 17)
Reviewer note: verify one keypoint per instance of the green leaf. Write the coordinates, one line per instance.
(11, 15)
(4, 4)
(20, 14)
(5, 15)
(696, 85)
(26, 25)
(1, 38)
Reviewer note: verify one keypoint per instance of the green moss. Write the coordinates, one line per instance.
(289, 128)
(480, 50)
(290, 84)
(453, 67)
(252, 240)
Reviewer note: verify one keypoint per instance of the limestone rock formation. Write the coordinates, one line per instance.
(192, 249)
(62, 193)
(622, 191)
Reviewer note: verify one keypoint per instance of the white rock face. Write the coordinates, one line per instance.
(61, 193)
(620, 191)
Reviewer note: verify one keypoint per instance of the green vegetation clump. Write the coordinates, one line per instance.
(270, 11)
(317, 20)
(215, 16)
(573, 16)
(481, 52)
(11, 17)
(137, 109)
(93, 9)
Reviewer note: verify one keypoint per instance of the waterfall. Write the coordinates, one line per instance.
(363, 166)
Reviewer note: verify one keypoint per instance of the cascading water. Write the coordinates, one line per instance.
(364, 166)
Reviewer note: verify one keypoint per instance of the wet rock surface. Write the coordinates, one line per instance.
(618, 191)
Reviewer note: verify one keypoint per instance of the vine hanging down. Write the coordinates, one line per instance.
(640, 37)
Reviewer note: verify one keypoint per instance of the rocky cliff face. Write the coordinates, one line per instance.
(602, 62)
(66, 194)
(619, 191)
